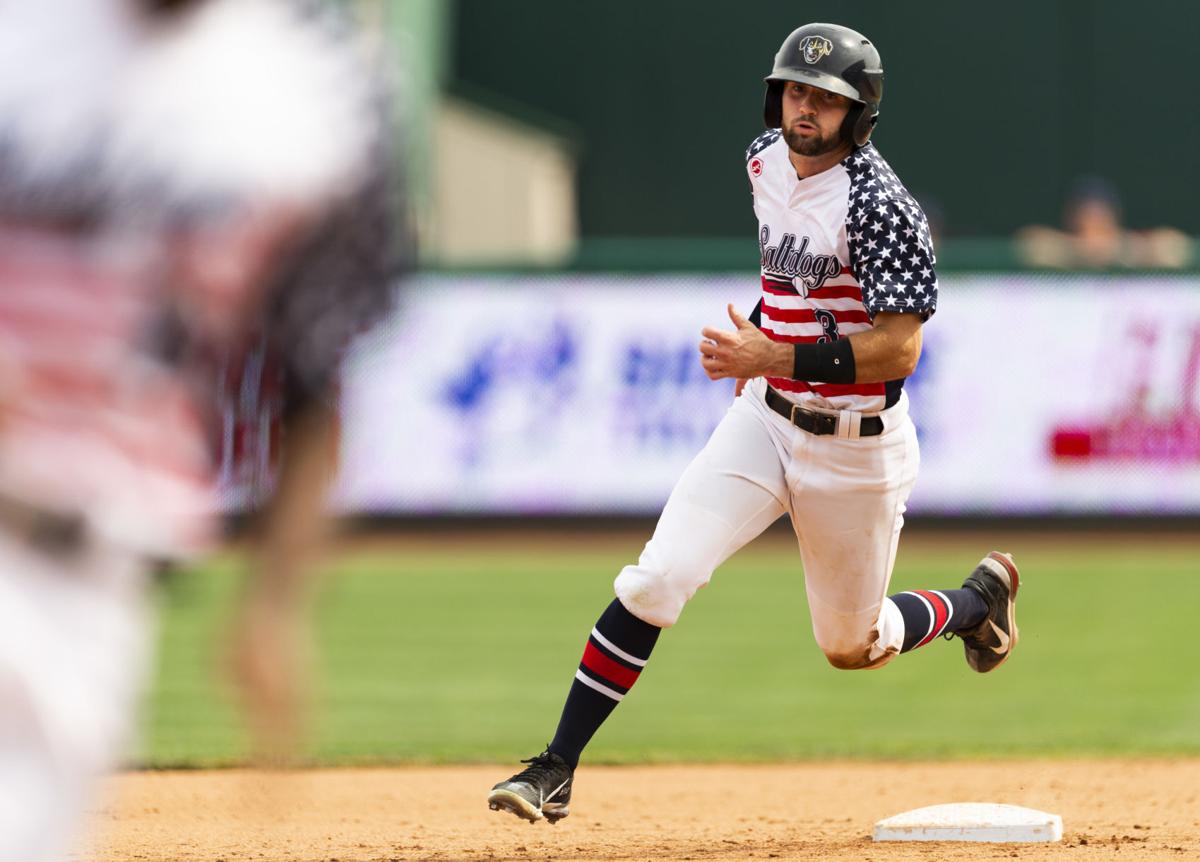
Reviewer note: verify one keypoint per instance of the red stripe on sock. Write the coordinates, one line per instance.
(598, 662)
(941, 615)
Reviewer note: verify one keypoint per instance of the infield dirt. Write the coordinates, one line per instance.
(1111, 809)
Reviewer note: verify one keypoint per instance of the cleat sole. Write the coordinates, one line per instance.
(506, 800)
(1014, 583)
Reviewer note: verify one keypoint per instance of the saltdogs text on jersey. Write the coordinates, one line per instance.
(807, 271)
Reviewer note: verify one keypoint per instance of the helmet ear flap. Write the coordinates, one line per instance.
(870, 87)
(864, 127)
(858, 125)
(773, 105)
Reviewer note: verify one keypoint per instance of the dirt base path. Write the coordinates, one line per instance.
(1118, 809)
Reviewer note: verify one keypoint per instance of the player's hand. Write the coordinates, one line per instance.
(743, 353)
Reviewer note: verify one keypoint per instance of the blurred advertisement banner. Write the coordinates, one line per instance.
(1061, 394)
(584, 395)
(538, 395)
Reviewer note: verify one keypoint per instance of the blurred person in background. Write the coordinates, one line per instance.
(1094, 237)
(175, 176)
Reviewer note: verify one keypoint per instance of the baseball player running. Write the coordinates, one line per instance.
(820, 428)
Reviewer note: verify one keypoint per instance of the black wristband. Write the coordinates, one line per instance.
(824, 362)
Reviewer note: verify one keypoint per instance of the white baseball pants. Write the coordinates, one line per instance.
(846, 499)
(73, 650)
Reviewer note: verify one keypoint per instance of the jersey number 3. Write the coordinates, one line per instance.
(828, 324)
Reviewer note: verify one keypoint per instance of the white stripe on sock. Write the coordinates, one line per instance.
(616, 650)
(928, 607)
(949, 608)
(591, 683)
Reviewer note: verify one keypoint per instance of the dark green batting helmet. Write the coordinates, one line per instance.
(832, 58)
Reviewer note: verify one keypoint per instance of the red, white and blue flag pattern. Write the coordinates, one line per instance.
(837, 248)
(891, 250)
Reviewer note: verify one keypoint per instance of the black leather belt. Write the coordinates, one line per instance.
(817, 423)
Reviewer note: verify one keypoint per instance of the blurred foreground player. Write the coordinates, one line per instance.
(820, 428)
(173, 176)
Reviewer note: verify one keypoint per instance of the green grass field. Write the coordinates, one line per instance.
(465, 654)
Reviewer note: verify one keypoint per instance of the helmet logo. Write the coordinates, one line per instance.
(814, 48)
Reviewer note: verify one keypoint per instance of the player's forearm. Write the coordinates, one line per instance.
(875, 356)
(778, 360)
(888, 351)
(881, 355)
(830, 362)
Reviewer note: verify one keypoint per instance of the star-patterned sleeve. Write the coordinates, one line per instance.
(891, 255)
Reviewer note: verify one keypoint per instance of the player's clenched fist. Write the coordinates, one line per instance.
(743, 353)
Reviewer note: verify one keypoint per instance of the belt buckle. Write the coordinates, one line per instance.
(822, 424)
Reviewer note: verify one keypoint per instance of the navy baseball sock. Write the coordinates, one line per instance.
(928, 613)
(616, 652)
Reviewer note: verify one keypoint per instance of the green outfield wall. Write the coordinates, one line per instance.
(990, 111)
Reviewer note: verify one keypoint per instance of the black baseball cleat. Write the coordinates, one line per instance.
(541, 791)
(990, 643)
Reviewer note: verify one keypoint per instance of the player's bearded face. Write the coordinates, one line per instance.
(811, 144)
(812, 119)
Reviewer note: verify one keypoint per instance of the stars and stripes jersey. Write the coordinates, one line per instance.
(836, 249)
